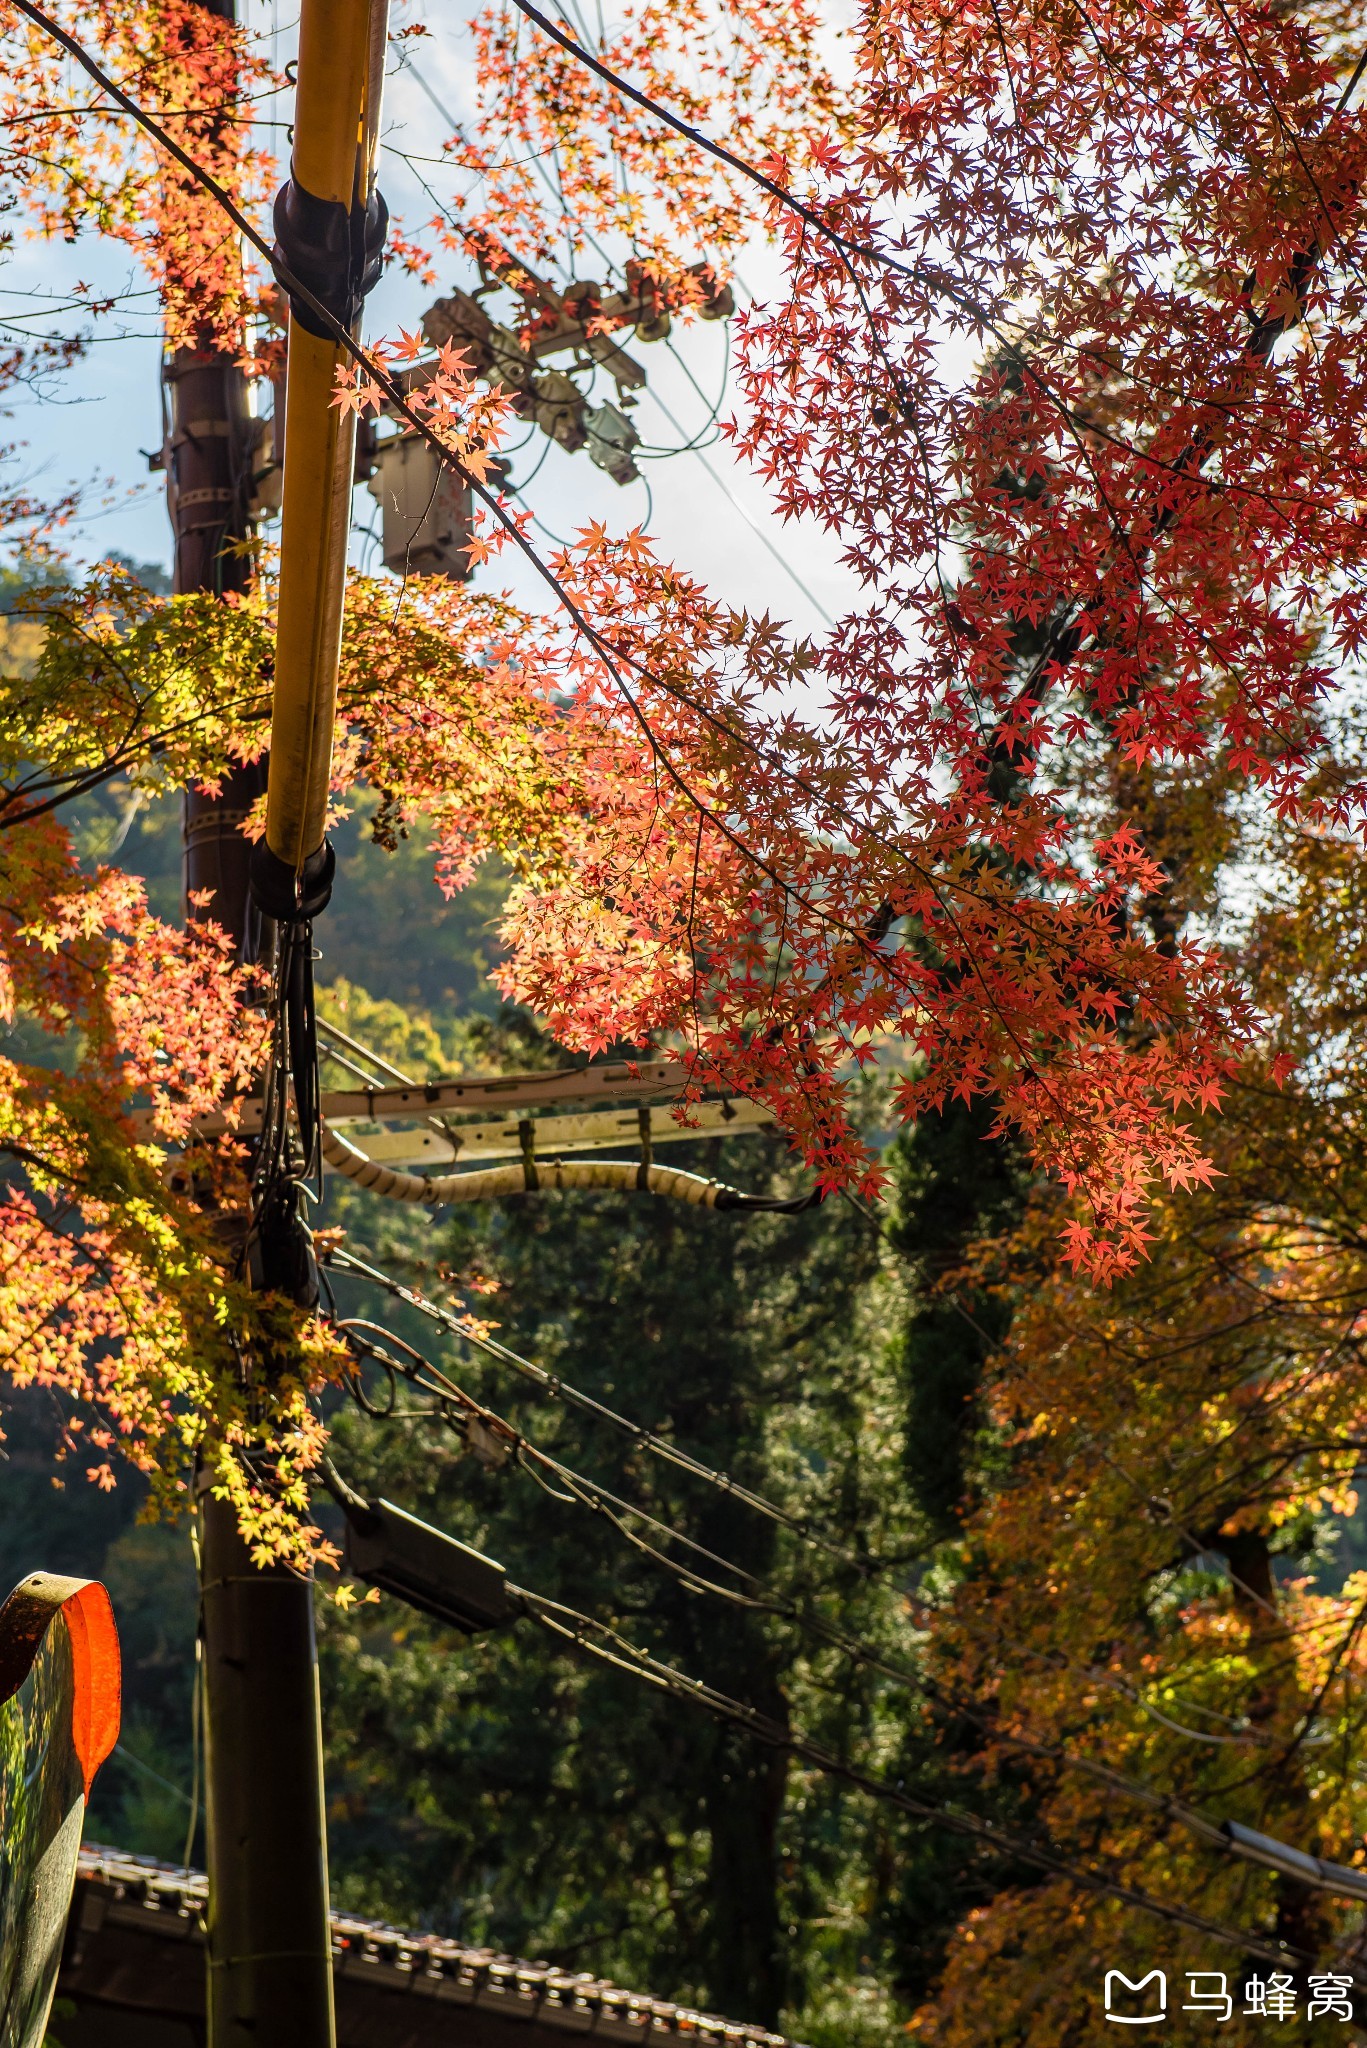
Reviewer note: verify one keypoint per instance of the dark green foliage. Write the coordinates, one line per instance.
(544, 1806)
(951, 1186)
(61, 1523)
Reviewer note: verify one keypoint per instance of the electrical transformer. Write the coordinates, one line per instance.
(427, 513)
(611, 439)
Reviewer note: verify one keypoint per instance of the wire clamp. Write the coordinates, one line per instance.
(336, 252)
(292, 895)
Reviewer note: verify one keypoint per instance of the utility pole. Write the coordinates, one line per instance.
(269, 1947)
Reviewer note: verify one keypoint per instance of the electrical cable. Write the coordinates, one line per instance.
(646, 451)
(532, 1175)
(297, 1017)
(604, 1644)
(517, 490)
(278, 1248)
(353, 1383)
(122, 1751)
(335, 1257)
(355, 1045)
(789, 571)
(331, 1052)
(650, 454)
(576, 1490)
(1268, 326)
(591, 1495)
(393, 391)
(597, 1641)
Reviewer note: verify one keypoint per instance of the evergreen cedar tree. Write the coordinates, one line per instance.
(1066, 357)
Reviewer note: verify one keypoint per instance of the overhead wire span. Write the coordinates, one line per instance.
(534, 1175)
(327, 1051)
(1267, 325)
(601, 1643)
(789, 571)
(338, 1259)
(576, 1490)
(599, 1499)
(365, 1052)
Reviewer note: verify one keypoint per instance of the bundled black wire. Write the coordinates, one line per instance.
(287, 1152)
(601, 1643)
(476, 1424)
(648, 1440)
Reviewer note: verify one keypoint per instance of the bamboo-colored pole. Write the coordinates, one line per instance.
(336, 129)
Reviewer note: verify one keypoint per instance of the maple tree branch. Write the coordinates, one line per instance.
(397, 397)
(920, 273)
(1063, 642)
(398, 400)
(14, 1150)
(1277, 114)
(78, 784)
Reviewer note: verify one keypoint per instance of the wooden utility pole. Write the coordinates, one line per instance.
(269, 1947)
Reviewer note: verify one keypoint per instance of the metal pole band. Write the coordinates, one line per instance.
(335, 250)
(292, 895)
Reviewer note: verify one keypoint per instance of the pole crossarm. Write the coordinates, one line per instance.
(552, 1135)
(644, 1081)
(416, 1124)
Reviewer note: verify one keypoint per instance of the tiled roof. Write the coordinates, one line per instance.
(142, 1898)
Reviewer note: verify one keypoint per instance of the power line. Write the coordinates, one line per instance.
(763, 1596)
(789, 571)
(122, 1751)
(444, 1578)
(696, 441)
(561, 1390)
(601, 1500)
(394, 393)
(355, 1045)
(330, 1052)
(596, 1640)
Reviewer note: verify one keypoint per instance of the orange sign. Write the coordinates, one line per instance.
(59, 1719)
